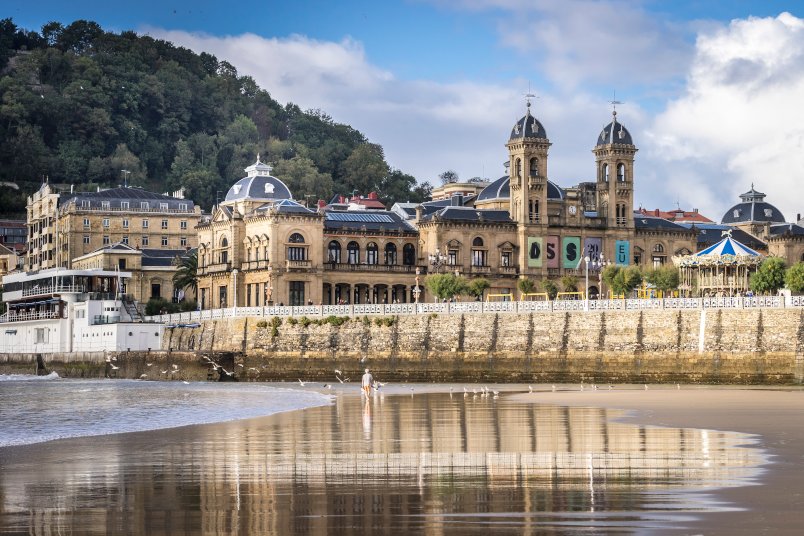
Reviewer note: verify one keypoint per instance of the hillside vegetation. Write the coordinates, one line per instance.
(79, 104)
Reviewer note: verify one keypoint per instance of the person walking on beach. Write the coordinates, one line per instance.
(366, 383)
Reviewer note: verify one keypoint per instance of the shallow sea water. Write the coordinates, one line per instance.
(403, 462)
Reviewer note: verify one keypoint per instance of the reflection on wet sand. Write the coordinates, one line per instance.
(429, 464)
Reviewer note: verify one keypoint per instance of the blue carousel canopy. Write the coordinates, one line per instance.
(727, 246)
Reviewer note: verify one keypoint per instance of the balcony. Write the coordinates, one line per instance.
(298, 265)
(57, 289)
(553, 272)
(21, 317)
(255, 265)
(480, 269)
(215, 268)
(345, 267)
(508, 270)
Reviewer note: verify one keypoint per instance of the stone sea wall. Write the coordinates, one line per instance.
(707, 346)
(749, 346)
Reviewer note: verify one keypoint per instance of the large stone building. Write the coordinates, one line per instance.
(62, 227)
(262, 247)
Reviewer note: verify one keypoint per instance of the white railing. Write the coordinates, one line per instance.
(29, 316)
(57, 289)
(472, 307)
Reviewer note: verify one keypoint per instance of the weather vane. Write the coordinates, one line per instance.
(614, 102)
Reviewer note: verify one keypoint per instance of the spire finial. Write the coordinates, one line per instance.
(614, 102)
(258, 158)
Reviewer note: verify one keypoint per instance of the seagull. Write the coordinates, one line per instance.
(225, 371)
(610, 387)
(646, 386)
(338, 371)
(530, 389)
(175, 367)
(302, 383)
(240, 365)
(554, 388)
(411, 392)
(327, 386)
(254, 369)
(113, 367)
(496, 393)
(450, 392)
(148, 364)
(185, 382)
(339, 379)
(164, 372)
(678, 386)
(143, 376)
(114, 358)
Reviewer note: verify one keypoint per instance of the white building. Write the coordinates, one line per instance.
(63, 311)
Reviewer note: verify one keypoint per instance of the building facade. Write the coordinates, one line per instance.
(260, 247)
(62, 227)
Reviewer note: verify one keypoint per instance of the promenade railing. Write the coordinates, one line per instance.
(470, 307)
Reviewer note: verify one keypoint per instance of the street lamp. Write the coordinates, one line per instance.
(234, 294)
(269, 292)
(416, 289)
(586, 261)
(125, 173)
(437, 259)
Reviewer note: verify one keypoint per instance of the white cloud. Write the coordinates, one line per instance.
(740, 120)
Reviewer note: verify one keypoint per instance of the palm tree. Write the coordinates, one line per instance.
(186, 276)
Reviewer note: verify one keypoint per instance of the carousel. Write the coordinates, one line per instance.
(719, 270)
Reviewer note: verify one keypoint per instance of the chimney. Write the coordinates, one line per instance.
(321, 203)
(373, 195)
(341, 199)
(656, 212)
(456, 200)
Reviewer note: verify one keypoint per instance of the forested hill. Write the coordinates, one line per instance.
(79, 104)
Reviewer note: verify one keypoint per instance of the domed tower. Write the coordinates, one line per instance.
(527, 153)
(614, 155)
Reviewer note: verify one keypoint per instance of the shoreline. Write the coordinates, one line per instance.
(775, 501)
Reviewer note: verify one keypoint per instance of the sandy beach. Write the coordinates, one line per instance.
(776, 416)
(417, 459)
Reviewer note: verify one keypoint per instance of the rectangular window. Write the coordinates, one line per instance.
(125, 239)
(86, 239)
(106, 222)
(144, 224)
(125, 224)
(478, 257)
(452, 257)
(164, 241)
(183, 241)
(144, 240)
(296, 253)
(144, 205)
(121, 263)
(85, 203)
(106, 240)
(296, 293)
(105, 205)
(86, 222)
(163, 206)
(41, 335)
(164, 224)
(124, 205)
(182, 206)
(505, 259)
(183, 225)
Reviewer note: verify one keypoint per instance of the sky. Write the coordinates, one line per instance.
(710, 91)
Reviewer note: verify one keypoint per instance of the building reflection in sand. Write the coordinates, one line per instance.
(429, 464)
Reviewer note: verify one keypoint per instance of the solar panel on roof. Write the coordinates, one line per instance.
(359, 217)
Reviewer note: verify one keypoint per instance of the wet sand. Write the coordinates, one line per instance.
(423, 462)
(776, 416)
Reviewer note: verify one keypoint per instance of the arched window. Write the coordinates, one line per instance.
(390, 253)
(477, 242)
(408, 255)
(533, 211)
(534, 167)
(334, 254)
(224, 242)
(353, 253)
(621, 172)
(297, 253)
(223, 255)
(372, 253)
(605, 173)
(479, 256)
(296, 238)
(658, 248)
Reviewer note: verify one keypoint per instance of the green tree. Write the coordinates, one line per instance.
(526, 286)
(769, 277)
(186, 275)
(569, 283)
(622, 280)
(365, 168)
(663, 278)
(794, 277)
(445, 286)
(301, 176)
(477, 287)
(550, 288)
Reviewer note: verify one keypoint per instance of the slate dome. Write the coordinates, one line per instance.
(614, 133)
(501, 189)
(528, 127)
(753, 208)
(258, 185)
